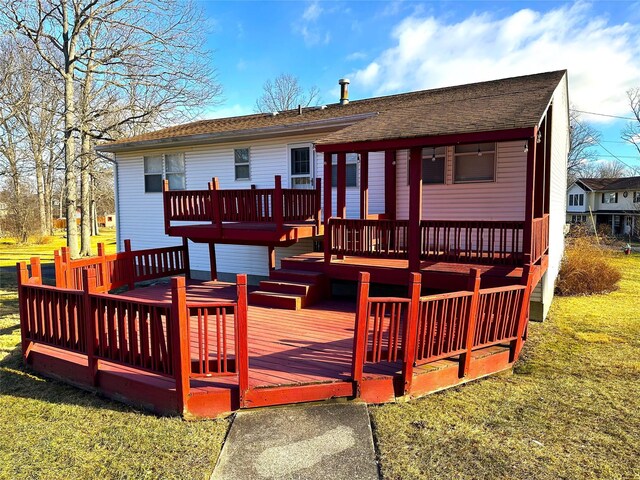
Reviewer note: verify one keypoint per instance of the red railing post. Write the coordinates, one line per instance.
(278, 204)
(105, 279)
(360, 331)
(318, 208)
(68, 273)
(242, 346)
(474, 286)
(131, 264)
(166, 204)
(23, 279)
(216, 206)
(185, 258)
(180, 341)
(411, 331)
(327, 241)
(523, 313)
(36, 271)
(59, 272)
(89, 287)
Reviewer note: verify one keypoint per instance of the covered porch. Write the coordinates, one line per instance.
(417, 243)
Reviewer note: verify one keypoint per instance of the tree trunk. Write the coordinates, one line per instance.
(42, 209)
(85, 195)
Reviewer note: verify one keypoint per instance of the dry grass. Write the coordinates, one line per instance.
(569, 411)
(586, 269)
(53, 431)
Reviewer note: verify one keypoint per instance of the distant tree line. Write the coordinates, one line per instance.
(77, 72)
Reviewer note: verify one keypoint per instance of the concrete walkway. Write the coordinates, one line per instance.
(329, 441)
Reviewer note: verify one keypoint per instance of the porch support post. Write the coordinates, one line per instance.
(278, 205)
(411, 331)
(180, 341)
(390, 184)
(538, 204)
(327, 206)
(473, 285)
(216, 216)
(131, 277)
(166, 205)
(89, 287)
(242, 345)
(527, 239)
(272, 258)
(23, 279)
(364, 185)
(341, 194)
(212, 262)
(187, 263)
(415, 208)
(547, 169)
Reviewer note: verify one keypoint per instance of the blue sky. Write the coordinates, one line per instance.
(399, 46)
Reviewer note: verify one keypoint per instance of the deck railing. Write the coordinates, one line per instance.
(143, 335)
(484, 242)
(423, 329)
(492, 242)
(540, 234)
(368, 238)
(268, 205)
(119, 269)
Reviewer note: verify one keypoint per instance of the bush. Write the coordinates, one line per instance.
(43, 240)
(586, 269)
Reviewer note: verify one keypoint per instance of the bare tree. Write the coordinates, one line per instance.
(631, 132)
(285, 93)
(122, 63)
(581, 152)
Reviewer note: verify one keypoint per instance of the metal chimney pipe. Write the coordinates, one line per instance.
(344, 90)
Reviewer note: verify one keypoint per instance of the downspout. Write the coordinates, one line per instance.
(116, 194)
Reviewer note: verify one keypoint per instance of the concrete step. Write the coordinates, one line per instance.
(277, 300)
(296, 276)
(279, 286)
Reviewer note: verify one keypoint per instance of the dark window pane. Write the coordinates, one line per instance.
(152, 183)
(352, 175)
(300, 161)
(433, 170)
(241, 156)
(242, 172)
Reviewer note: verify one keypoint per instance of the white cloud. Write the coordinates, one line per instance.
(431, 52)
(312, 12)
(356, 56)
(307, 26)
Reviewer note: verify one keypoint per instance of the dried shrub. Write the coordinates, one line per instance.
(586, 269)
(43, 240)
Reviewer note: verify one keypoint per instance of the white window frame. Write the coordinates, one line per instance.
(312, 164)
(494, 152)
(164, 172)
(247, 163)
(636, 197)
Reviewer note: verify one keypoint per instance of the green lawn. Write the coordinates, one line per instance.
(50, 430)
(570, 410)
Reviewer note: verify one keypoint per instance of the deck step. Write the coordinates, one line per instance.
(279, 286)
(277, 300)
(296, 275)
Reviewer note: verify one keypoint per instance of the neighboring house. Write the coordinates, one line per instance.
(613, 202)
(491, 156)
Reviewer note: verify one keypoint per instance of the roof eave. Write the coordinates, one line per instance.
(428, 141)
(236, 135)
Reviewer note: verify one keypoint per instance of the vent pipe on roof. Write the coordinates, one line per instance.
(344, 90)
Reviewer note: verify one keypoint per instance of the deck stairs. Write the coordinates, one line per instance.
(290, 289)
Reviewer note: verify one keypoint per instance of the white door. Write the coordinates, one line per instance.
(301, 165)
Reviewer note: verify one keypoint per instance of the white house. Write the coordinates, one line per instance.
(614, 202)
(488, 152)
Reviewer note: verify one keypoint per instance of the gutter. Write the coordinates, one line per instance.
(219, 137)
(116, 193)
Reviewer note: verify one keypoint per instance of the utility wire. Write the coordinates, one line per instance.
(606, 149)
(603, 115)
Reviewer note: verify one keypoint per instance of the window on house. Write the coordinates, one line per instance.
(475, 163)
(576, 199)
(352, 170)
(301, 167)
(160, 167)
(241, 163)
(433, 166)
(578, 218)
(636, 197)
(610, 197)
